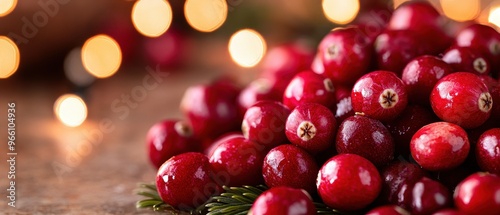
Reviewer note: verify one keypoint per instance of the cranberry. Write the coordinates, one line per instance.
(348, 182)
(345, 53)
(312, 127)
(211, 109)
(461, 98)
(380, 95)
(388, 210)
(478, 194)
(449, 211)
(372, 20)
(264, 123)
(483, 38)
(429, 196)
(366, 137)
(488, 151)
(421, 74)
(238, 161)
(406, 125)
(440, 146)
(258, 90)
(494, 88)
(283, 200)
(291, 166)
(168, 138)
(344, 109)
(307, 87)
(467, 59)
(212, 144)
(185, 181)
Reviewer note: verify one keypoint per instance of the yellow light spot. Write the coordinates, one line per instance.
(340, 11)
(396, 3)
(463, 10)
(205, 15)
(247, 47)
(494, 17)
(151, 17)
(9, 57)
(7, 6)
(71, 110)
(101, 56)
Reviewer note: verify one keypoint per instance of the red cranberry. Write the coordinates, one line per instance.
(264, 123)
(238, 161)
(388, 210)
(184, 181)
(366, 137)
(312, 127)
(372, 20)
(168, 138)
(283, 200)
(346, 54)
(467, 59)
(440, 146)
(449, 211)
(421, 74)
(461, 98)
(380, 95)
(344, 109)
(317, 64)
(308, 87)
(211, 109)
(479, 194)
(494, 88)
(348, 182)
(483, 38)
(291, 166)
(212, 144)
(257, 90)
(488, 151)
(429, 196)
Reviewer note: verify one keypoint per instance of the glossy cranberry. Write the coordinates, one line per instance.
(348, 182)
(258, 90)
(212, 144)
(312, 127)
(264, 123)
(467, 59)
(366, 137)
(478, 194)
(494, 88)
(309, 87)
(317, 64)
(399, 177)
(440, 146)
(421, 74)
(185, 181)
(167, 50)
(283, 200)
(406, 125)
(461, 98)
(345, 53)
(388, 210)
(488, 151)
(168, 138)
(344, 109)
(238, 161)
(429, 196)
(372, 20)
(290, 166)
(211, 109)
(449, 211)
(483, 38)
(380, 95)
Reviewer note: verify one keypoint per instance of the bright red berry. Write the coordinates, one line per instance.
(467, 59)
(309, 87)
(283, 200)
(479, 194)
(388, 210)
(429, 196)
(488, 151)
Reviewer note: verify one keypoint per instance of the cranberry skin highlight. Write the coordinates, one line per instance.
(309, 87)
(462, 98)
(440, 146)
(283, 200)
(348, 182)
(478, 194)
(429, 196)
(488, 151)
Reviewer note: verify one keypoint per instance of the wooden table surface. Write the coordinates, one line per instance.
(84, 170)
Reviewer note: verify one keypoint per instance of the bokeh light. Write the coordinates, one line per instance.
(151, 18)
(247, 47)
(463, 10)
(74, 70)
(7, 6)
(101, 56)
(9, 57)
(494, 16)
(340, 11)
(205, 15)
(397, 3)
(70, 109)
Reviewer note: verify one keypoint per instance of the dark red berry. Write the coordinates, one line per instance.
(488, 151)
(467, 59)
(168, 138)
(399, 177)
(283, 200)
(258, 90)
(440, 146)
(388, 210)
(479, 194)
(309, 87)
(348, 182)
(286, 60)
(483, 38)
(462, 98)
(291, 166)
(366, 137)
(429, 196)
(185, 181)
(380, 95)
(312, 127)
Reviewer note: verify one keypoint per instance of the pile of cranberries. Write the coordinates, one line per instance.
(397, 114)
